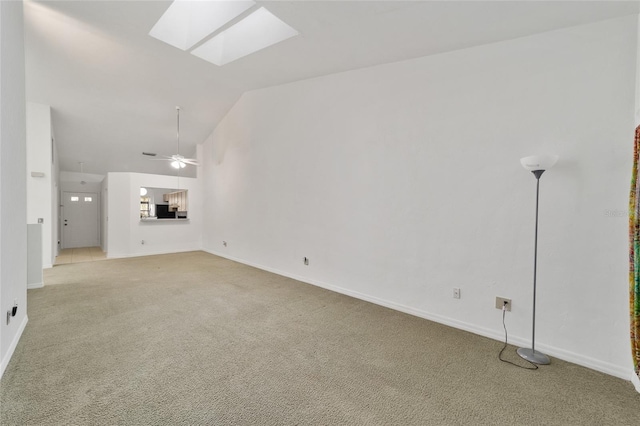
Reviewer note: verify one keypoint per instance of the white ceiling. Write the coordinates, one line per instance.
(113, 88)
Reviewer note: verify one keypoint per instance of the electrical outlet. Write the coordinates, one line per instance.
(224, 243)
(501, 301)
(306, 260)
(456, 293)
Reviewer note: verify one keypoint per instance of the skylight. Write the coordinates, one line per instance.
(257, 31)
(186, 22)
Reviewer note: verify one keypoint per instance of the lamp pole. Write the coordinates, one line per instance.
(532, 355)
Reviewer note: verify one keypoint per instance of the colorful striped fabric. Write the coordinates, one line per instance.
(634, 256)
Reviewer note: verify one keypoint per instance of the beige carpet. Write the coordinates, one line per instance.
(194, 339)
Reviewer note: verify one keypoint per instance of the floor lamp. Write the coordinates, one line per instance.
(536, 164)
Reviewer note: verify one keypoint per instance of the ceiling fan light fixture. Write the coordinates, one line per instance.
(178, 164)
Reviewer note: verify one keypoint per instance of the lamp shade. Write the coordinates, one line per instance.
(538, 162)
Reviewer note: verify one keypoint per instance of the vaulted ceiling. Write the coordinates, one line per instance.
(113, 89)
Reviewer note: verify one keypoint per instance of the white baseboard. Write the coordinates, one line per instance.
(594, 364)
(35, 285)
(636, 381)
(12, 347)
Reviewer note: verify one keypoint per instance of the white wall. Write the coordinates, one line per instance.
(13, 188)
(125, 231)
(80, 182)
(104, 214)
(400, 182)
(39, 189)
(55, 198)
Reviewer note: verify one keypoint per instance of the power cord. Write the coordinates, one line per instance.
(533, 366)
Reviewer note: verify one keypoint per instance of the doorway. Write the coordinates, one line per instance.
(80, 219)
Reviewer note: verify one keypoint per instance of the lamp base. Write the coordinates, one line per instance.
(533, 356)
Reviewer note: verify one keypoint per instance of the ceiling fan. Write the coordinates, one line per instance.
(177, 160)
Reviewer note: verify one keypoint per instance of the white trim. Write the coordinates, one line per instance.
(12, 347)
(634, 377)
(594, 364)
(636, 381)
(35, 285)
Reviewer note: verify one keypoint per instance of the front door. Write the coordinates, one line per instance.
(80, 219)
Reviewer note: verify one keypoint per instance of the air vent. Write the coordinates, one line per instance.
(150, 154)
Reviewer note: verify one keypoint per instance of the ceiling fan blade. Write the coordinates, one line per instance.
(177, 160)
